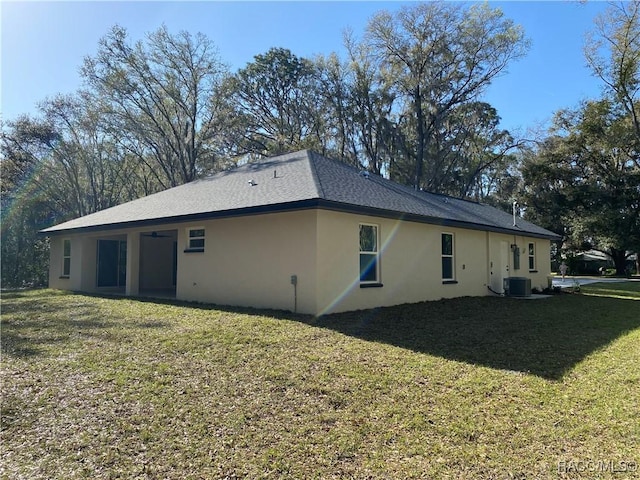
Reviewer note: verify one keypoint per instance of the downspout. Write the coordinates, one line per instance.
(294, 282)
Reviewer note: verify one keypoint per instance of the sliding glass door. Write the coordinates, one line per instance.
(112, 263)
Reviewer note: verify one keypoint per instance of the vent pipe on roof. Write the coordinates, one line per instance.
(515, 206)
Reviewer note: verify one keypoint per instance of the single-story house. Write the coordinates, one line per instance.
(590, 263)
(594, 262)
(298, 232)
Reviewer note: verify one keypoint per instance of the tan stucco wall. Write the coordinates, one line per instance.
(410, 263)
(83, 260)
(132, 287)
(55, 264)
(249, 261)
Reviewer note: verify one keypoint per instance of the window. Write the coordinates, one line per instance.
(66, 257)
(196, 240)
(369, 254)
(532, 256)
(447, 257)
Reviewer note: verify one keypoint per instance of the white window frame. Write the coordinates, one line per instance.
(452, 256)
(191, 239)
(375, 253)
(532, 256)
(66, 267)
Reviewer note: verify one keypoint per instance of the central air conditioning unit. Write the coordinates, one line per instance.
(517, 286)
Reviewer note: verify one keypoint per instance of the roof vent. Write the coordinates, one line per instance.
(364, 173)
(252, 183)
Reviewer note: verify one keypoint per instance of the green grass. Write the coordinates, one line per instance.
(630, 290)
(469, 388)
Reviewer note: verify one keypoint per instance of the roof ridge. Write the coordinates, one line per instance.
(387, 182)
(311, 156)
(476, 202)
(403, 189)
(421, 194)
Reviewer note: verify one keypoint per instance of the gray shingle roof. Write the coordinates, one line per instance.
(302, 179)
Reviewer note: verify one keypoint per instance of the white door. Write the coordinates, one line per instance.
(499, 267)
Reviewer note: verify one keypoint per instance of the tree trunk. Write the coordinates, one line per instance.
(620, 261)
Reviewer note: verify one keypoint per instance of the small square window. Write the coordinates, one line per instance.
(196, 239)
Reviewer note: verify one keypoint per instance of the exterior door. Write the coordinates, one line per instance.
(504, 263)
(112, 263)
(500, 267)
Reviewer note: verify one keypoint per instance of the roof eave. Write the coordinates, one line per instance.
(294, 206)
(393, 214)
(239, 212)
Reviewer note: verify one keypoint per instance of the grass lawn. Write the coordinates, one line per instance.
(629, 290)
(471, 388)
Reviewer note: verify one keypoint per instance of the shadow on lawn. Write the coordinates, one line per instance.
(546, 338)
(31, 322)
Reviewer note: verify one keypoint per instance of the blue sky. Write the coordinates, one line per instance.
(44, 43)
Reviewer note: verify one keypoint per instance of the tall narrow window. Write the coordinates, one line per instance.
(369, 272)
(532, 256)
(196, 240)
(66, 257)
(447, 257)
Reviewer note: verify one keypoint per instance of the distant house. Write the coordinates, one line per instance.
(594, 262)
(297, 232)
(590, 263)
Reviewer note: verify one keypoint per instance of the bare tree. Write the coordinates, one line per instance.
(441, 56)
(163, 95)
(613, 54)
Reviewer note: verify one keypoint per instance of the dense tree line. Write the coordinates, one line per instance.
(405, 102)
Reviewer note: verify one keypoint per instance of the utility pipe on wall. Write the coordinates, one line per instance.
(294, 282)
